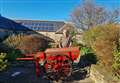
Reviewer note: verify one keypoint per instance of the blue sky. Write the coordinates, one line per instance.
(46, 9)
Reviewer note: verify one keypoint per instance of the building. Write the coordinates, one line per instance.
(47, 28)
(10, 27)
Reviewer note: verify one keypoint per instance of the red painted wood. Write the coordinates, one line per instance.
(61, 50)
(29, 59)
(37, 67)
(29, 55)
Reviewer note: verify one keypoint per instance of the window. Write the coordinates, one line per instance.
(46, 24)
(40, 28)
(37, 28)
(36, 24)
(33, 24)
(46, 28)
(50, 24)
(39, 24)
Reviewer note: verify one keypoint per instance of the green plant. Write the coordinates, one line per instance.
(85, 50)
(74, 42)
(26, 43)
(74, 39)
(116, 62)
(13, 40)
(41, 49)
(13, 54)
(104, 41)
(3, 61)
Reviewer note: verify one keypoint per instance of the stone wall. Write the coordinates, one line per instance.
(57, 37)
(52, 35)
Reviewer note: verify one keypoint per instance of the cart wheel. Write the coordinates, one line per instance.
(58, 67)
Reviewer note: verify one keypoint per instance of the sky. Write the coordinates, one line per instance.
(46, 9)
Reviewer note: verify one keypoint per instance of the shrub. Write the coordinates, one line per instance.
(13, 54)
(116, 62)
(13, 40)
(74, 39)
(3, 61)
(85, 50)
(74, 42)
(26, 43)
(103, 39)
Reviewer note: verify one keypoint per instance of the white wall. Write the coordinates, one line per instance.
(52, 35)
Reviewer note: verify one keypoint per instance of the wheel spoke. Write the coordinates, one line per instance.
(59, 67)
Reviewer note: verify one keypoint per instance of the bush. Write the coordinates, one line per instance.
(3, 61)
(26, 43)
(116, 62)
(85, 50)
(13, 40)
(13, 54)
(74, 39)
(103, 39)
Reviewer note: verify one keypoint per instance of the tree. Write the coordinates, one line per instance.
(88, 15)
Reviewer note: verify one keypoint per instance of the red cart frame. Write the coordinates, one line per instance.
(56, 61)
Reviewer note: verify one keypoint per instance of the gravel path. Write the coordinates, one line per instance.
(26, 74)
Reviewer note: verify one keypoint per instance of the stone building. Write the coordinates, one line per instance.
(11, 27)
(47, 28)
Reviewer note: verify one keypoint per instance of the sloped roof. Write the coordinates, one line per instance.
(25, 25)
(39, 25)
(8, 24)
